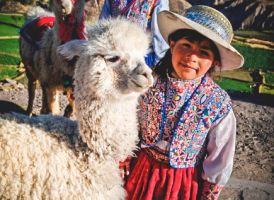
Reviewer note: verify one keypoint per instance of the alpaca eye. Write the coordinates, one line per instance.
(112, 58)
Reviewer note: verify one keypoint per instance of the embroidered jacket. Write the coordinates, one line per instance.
(206, 107)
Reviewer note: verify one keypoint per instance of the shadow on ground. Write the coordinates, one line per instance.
(260, 99)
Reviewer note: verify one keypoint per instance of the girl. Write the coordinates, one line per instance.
(187, 126)
(144, 13)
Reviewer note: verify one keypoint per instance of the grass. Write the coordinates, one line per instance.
(256, 58)
(9, 46)
(234, 85)
(6, 30)
(269, 78)
(15, 19)
(8, 72)
(9, 59)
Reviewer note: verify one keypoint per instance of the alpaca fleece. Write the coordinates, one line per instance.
(50, 157)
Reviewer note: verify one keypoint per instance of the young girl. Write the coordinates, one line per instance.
(144, 13)
(187, 126)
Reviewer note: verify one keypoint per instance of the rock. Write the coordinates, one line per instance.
(20, 86)
(244, 14)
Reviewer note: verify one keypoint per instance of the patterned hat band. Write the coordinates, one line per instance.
(211, 19)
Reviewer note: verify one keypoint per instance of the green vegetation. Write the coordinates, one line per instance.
(9, 60)
(234, 85)
(9, 46)
(6, 30)
(9, 51)
(8, 72)
(256, 58)
(15, 19)
(269, 78)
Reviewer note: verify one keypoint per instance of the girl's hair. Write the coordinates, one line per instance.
(165, 64)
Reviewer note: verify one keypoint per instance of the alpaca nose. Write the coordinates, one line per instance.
(145, 72)
(66, 8)
(63, 10)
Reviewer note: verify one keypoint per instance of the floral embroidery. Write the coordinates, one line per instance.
(207, 107)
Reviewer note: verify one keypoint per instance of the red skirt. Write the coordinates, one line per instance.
(151, 179)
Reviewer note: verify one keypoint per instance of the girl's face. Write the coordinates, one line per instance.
(192, 59)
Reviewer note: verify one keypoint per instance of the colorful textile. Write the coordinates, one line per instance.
(138, 11)
(154, 180)
(33, 31)
(211, 191)
(71, 29)
(114, 8)
(208, 105)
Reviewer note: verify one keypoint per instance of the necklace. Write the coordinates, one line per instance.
(180, 112)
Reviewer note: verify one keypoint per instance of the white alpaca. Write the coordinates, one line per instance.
(51, 157)
(42, 62)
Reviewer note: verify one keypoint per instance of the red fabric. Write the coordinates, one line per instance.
(47, 20)
(70, 29)
(151, 179)
(34, 30)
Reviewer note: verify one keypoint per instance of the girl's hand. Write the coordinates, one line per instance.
(124, 167)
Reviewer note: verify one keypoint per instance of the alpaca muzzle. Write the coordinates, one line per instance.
(142, 76)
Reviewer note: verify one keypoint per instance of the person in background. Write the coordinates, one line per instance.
(144, 13)
(187, 125)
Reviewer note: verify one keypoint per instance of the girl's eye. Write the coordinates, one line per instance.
(204, 53)
(186, 46)
(112, 58)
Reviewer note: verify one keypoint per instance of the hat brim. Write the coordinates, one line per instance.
(169, 22)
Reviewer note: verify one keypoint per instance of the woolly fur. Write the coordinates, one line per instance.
(50, 157)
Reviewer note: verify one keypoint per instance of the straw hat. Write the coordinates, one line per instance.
(208, 22)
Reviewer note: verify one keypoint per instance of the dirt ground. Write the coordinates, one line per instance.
(255, 142)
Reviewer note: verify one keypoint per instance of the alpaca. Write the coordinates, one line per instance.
(41, 60)
(53, 157)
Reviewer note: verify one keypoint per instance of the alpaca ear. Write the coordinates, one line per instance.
(72, 48)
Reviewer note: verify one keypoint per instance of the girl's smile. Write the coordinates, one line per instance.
(191, 59)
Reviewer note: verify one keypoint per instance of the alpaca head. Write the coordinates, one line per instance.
(63, 8)
(111, 63)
